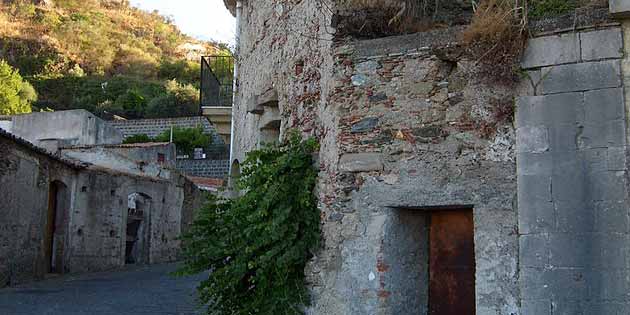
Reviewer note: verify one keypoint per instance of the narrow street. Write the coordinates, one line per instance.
(135, 290)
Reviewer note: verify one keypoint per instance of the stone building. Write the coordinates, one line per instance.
(435, 197)
(87, 206)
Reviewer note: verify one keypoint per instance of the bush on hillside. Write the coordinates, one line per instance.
(184, 71)
(181, 100)
(16, 94)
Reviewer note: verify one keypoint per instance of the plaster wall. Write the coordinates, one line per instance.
(72, 127)
(120, 160)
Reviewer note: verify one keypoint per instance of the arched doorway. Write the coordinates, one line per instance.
(58, 204)
(138, 228)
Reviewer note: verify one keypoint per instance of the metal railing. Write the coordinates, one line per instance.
(217, 73)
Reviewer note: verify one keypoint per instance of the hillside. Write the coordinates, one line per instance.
(103, 56)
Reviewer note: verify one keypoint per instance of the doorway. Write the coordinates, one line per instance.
(138, 229)
(58, 201)
(451, 263)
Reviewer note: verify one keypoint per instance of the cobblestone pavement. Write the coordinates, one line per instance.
(135, 290)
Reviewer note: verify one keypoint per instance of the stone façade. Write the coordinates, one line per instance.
(90, 224)
(406, 126)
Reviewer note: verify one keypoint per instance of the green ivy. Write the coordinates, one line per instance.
(257, 245)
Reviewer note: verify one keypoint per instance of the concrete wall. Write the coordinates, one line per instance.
(572, 175)
(148, 152)
(71, 127)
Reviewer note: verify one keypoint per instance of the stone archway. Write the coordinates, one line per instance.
(138, 230)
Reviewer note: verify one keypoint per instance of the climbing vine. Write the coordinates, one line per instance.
(257, 245)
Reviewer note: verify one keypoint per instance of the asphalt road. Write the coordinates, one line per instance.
(135, 290)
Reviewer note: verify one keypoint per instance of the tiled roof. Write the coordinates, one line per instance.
(23, 142)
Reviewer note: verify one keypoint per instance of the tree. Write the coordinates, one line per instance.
(16, 94)
(181, 100)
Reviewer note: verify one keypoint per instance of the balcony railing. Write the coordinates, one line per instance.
(217, 73)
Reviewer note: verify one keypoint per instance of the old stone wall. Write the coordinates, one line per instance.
(403, 130)
(572, 175)
(25, 179)
(415, 134)
(93, 205)
(407, 127)
(98, 225)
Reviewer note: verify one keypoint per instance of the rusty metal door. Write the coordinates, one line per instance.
(451, 263)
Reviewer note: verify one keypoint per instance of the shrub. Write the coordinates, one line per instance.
(257, 245)
(132, 103)
(142, 138)
(16, 94)
(180, 100)
(186, 139)
(181, 70)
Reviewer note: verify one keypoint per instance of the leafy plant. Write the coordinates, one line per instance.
(186, 139)
(257, 245)
(180, 100)
(16, 94)
(141, 138)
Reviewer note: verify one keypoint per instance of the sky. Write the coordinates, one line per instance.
(202, 19)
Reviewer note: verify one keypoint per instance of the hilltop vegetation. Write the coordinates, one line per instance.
(104, 56)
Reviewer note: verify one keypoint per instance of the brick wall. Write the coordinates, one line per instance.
(204, 168)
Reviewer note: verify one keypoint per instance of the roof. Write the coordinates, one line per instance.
(23, 142)
(211, 184)
(154, 127)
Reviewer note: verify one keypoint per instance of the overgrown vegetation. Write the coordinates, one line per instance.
(108, 58)
(185, 139)
(495, 38)
(16, 94)
(257, 244)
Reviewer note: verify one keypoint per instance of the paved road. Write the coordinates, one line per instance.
(136, 290)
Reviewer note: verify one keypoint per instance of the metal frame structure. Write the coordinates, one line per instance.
(217, 75)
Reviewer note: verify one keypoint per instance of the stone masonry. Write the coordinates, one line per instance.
(407, 127)
(572, 176)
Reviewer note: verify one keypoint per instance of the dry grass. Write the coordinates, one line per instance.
(496, 37)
